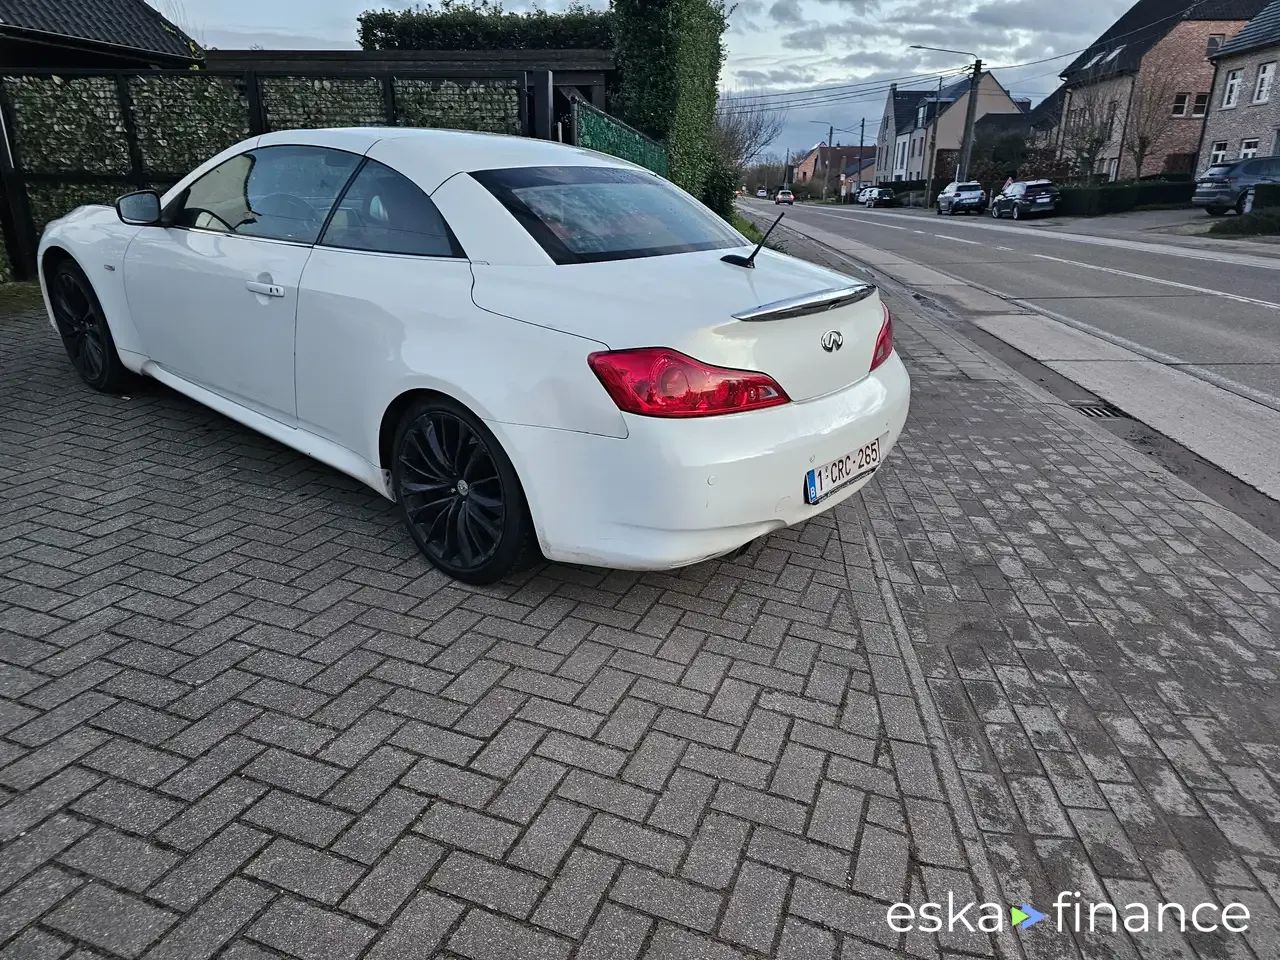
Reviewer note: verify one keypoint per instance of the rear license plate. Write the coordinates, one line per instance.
(821, 482)
(1042, 199)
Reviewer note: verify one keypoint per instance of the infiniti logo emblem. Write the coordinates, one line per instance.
(832, 340)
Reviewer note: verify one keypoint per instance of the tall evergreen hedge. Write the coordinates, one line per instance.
(458, 25)
(669, 54)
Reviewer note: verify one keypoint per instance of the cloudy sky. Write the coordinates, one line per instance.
(774, 45)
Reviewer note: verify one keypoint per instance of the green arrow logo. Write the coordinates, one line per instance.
(1016, 916)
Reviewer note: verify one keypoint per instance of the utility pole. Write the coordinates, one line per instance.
(826, 167)
(933, 145)
(862, 138)
(971, 109)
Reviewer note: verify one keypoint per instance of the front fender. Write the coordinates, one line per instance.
(95, 238)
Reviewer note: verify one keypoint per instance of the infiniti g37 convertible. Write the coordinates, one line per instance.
(529, 347)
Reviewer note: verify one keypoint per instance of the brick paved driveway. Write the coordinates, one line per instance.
(242, 718)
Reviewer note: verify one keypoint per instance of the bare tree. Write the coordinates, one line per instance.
(745, 126)
(1150, 118)
(1087, 127)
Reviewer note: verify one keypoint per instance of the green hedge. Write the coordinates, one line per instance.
(1259, 222)
(1122, 197)
(720, 188)
(1266, 196)
(669, 54)
(456, 25)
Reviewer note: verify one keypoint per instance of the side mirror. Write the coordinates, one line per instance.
(140, 208)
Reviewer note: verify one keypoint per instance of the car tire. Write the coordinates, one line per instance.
(938, 209)
(995, 212)
(1239, 207)
(476, 530)
(82, 324)
(1016, 214)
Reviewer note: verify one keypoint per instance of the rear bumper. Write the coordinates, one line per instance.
(674, 492)
(1217, 197)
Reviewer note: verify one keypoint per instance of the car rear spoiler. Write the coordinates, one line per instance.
(819, 302)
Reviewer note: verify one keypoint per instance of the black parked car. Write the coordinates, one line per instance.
(1224, 185)
(881, 197)
(962, 197)
(1025, 198)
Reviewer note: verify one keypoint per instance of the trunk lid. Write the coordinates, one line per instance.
(773, 318)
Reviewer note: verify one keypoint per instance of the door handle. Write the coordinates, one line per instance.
(266, 289)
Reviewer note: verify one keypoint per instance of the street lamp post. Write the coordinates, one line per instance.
(971, 109)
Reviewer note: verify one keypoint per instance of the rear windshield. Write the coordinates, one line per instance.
(968, 187)
(590, 214)
(1040, 187)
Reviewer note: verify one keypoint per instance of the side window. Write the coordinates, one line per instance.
(281, 193)
(383, 211)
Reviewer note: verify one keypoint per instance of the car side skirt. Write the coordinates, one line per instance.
(305, 442)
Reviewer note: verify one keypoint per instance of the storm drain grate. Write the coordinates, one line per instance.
(1096, 410)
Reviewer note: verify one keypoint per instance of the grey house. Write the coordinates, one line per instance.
(1244, 106)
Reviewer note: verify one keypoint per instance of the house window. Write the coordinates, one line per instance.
(920, 115)
(1219, 152)
(1262, 90)
(1215, 41)
(1231, 92)
(1180, 103)
(1249, 148)
(1201, 105)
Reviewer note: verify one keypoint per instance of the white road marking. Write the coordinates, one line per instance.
(943, 236)
(1168, 283)
(1231, 256)
(842, 216)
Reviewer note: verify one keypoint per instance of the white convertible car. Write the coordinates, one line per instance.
(527, 346)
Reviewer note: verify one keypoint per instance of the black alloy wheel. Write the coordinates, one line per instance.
(459, 494)
(83, 328)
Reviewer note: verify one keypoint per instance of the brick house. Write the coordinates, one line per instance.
(1148, 77)
(823, 162)
(1244, 107)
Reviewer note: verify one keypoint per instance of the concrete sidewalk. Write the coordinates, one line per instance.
(242, 718)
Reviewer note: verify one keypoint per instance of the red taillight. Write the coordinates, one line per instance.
(884, 340)
(661, 382)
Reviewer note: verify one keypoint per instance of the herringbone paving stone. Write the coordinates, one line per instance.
(240, 717)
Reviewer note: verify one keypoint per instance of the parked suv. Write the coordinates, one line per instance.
(1024, 198)
(1223, 185)
(956, 197)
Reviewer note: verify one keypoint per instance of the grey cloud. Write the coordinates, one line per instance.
(786, 12)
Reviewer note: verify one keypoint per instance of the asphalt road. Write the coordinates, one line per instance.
(1214, 313)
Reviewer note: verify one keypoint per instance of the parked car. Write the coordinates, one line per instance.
(1224, 185)
(961, 198)
(525, 345)
(762, 194)
(881, 197)
(1025, 198)
(784, 196)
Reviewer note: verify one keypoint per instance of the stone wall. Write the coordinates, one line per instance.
(1247, 119)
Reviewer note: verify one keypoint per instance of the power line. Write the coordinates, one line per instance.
(799, 91)
(800, 96)
(807, 101)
